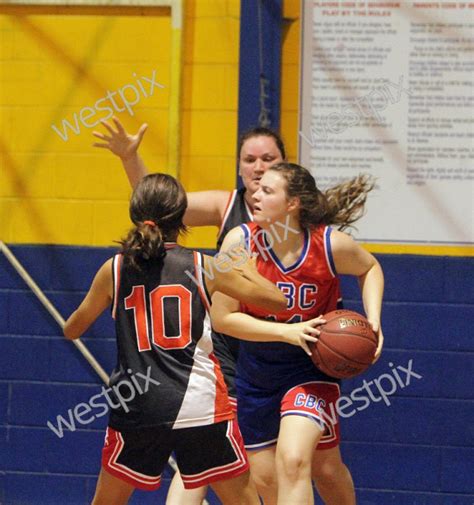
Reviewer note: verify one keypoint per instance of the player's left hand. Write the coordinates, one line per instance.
(120, 142)
(378, 331)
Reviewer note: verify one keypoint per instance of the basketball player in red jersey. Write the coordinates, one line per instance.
(160, 303)
(258, 149)
(281, 418)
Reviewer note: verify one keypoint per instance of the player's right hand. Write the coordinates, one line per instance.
(119, 142)
(302, 333)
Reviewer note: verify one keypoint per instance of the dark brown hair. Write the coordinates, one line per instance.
(156, 209)
(341, 205)
(261, 131)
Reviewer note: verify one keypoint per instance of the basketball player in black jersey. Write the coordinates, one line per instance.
(259, 148)
(160, 303)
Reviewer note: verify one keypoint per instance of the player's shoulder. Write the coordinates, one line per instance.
(249, 229)
(341, 240)
(330, 236)
(233, 237)
(107, 267)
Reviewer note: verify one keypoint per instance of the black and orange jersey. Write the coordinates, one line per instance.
(236, 213)
(163, 331)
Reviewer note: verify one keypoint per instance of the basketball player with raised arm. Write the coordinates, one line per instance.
(258, 149)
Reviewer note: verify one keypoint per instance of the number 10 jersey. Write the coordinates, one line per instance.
(167, 374)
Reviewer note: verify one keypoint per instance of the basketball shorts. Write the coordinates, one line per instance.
(204, 454)
(260, 411)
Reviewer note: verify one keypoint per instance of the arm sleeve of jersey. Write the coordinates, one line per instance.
(246, 231)
(328, 251)
(116, 271)
(198, 270)
(227, 211)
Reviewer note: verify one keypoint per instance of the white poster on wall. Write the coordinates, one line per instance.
(387, 89)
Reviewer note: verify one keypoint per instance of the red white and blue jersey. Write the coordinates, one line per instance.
(163, 331)
(311, 287)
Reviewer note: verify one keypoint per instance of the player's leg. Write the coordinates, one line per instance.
(239, 490)
(259, 422)
(306, 421)
(296, 445)
(132, 459)
(179, 495)
(332, 478)
(263, 472)
(111, 491)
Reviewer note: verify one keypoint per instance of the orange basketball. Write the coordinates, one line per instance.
(346, 346)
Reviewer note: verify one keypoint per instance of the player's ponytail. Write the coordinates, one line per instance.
(157, 208)
(346, 201)
(341, 205)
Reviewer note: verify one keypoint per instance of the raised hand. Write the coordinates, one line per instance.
(118, 141)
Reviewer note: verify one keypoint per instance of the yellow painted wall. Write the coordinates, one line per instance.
(56, 61)
(210, 102)
(290, 77)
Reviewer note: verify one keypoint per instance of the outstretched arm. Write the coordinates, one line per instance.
(234, 272)
(125, 146)
(227, 318)
(205, 208)
(350, 258)
(95, 302)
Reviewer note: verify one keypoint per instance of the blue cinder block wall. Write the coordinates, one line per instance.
(420, 449)
(417, 450)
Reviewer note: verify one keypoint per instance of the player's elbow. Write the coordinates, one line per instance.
(70, 334)
(223, 319)
(273, 301)
(70, 329)
(218, 320)
(219, 327)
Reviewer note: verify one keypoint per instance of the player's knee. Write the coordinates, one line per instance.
(293, 465)
(264, 481)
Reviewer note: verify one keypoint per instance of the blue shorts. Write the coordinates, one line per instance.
(260, 410)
